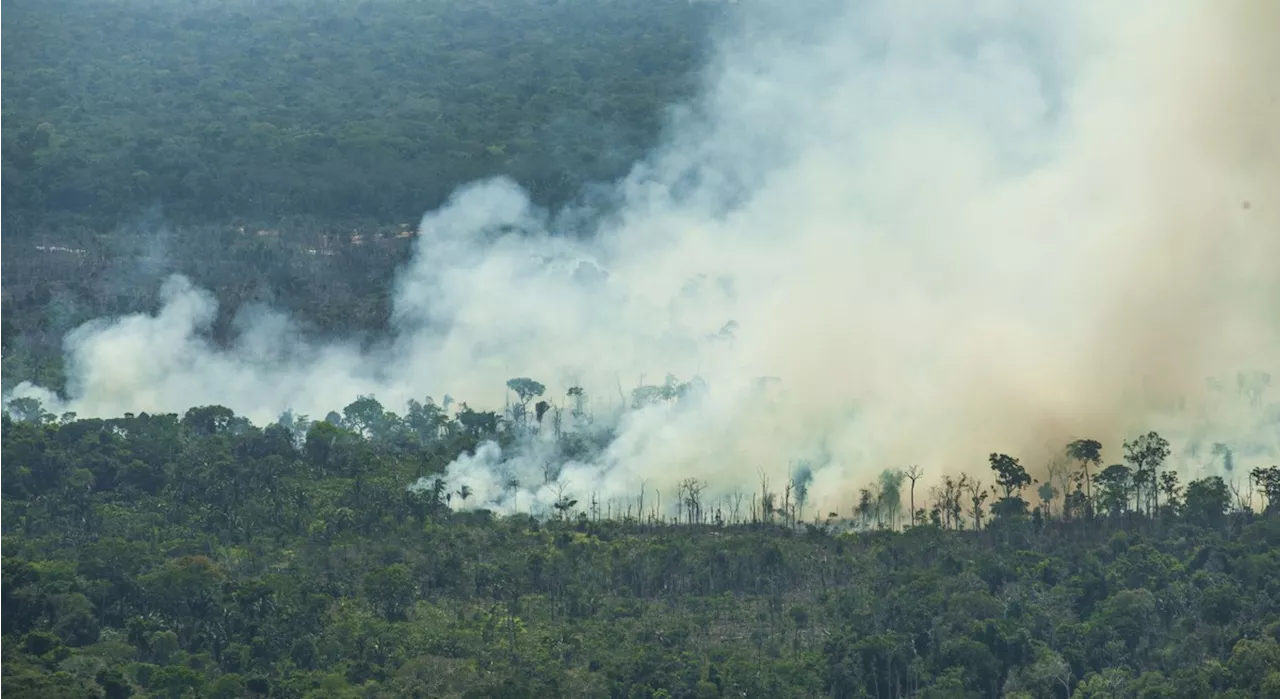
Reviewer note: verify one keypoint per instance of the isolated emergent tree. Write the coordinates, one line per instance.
(913, 472)
(1146, 454)
(1012, 478)
(526, 389)
(1086, 451)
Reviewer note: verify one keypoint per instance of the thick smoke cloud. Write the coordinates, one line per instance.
(946, 229)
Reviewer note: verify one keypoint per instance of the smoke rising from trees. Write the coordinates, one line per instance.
(946, 229)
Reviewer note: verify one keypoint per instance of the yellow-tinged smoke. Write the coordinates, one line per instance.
(950, 229)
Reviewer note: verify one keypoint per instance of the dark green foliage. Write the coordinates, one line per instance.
(326, 110)
(1115, 487)
(1012, 478)
(1207, 500)
(205, 556)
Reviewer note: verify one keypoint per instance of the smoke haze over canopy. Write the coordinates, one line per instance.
(949, 229)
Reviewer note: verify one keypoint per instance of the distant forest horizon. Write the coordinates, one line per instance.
(367, 113)
(279, 158)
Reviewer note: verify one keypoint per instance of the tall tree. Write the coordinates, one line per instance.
(1012, 478)
(1146, 454)
(977, 496)
(365, 416)
(1206, 501)
(914, 472)
(526, 389)
(890, 500)
(1010, 475)
(1047, 493)
(1115, 483)
(691, 496)
(1169, 486)
(1086, 451)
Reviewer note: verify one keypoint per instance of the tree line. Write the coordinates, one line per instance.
(1076, 487)
(200, 555)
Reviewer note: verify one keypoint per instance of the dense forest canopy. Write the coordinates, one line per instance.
(326, 110)
(203, 556)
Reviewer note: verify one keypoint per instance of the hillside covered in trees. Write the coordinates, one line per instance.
(203, 556)
(278, 152)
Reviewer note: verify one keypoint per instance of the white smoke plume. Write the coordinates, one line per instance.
(946, 228)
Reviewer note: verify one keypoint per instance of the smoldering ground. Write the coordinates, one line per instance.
(948, 230)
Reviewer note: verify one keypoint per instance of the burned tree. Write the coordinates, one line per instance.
(913, 473)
